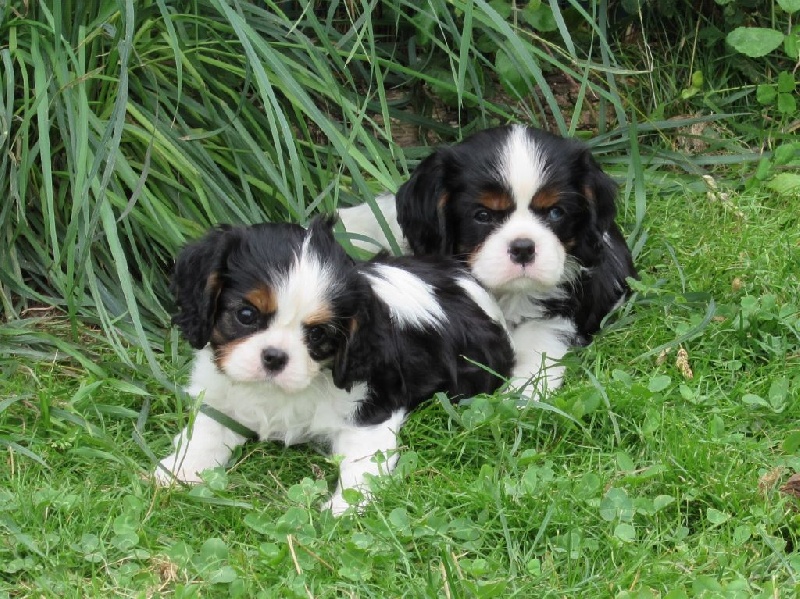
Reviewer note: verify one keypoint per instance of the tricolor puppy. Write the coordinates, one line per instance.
(298, 342)
(532, 215)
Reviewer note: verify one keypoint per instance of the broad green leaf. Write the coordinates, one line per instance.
(717, 517)
(785, 184)
(766, 93)
(503, 7)
(625, 532)
(790, 6)
(755, 400)
(659, 383)
(540, 17)
(400, 521)
(625, 462)
(786, 82)
(791, 45)
(791, 443)
(787, 104)
(616, 505)
(213, 549)
(662, 501)
(785, 153)
(510, 75)
(754, 41)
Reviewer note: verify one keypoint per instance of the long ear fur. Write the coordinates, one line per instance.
(421, 203)
(196, 283)
(351, 362)
(600, 190)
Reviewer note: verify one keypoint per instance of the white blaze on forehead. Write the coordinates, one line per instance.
(303, 291)
(411, 300)
(522, 166)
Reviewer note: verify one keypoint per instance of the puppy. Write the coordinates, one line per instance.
(298, 342)
(532, 215)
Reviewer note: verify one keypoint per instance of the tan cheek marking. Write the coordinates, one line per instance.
(496, 202)
(213, 282)
(544, 199)
(588, 192)
(223, 351)
(263, 299)
(440, 205)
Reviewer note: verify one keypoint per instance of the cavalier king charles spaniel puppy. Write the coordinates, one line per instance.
(532, 216)
(298, 342)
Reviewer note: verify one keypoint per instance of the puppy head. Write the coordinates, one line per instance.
(273, 301)
(522, 207)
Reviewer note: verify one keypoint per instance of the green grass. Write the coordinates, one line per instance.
(127, 128)
(666, 487)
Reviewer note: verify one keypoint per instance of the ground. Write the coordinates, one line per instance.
(655, 472)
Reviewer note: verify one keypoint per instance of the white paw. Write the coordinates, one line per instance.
(336, 504)
(169, 472)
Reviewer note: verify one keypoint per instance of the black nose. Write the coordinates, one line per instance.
(274, 359)
(521, 251)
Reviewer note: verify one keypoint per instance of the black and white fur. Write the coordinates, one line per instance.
(298, 342)
(532, 215)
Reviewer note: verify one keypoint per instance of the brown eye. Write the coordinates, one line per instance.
(482, 216)
(246, 315)
(316, 334)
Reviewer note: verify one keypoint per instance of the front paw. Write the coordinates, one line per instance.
(170, 472)
(336, 504)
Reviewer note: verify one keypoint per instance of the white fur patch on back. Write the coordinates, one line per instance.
(411, 300)
(523, 167)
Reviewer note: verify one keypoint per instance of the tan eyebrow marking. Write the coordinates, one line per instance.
(544, 199)
(496, 201)
(321, 315)
(263, 299)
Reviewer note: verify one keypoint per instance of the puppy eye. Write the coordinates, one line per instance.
(246, 315)
(483, 216)
(555, 214)
(316, 334)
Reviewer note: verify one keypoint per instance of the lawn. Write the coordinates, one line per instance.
(655, 478)
(655, 472)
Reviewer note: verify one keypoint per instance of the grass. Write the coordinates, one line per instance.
(128, 128)
(667, 486)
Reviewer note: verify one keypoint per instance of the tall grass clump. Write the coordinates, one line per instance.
(127, 128)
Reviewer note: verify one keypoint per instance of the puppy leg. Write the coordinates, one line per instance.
(210, 444)
(539, 345)
(358, 446)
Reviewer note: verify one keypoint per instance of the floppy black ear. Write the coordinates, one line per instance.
(422, 207)
(323, 223)
(600, 190)
(321, 231)
(196, 283)
(351, 362)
